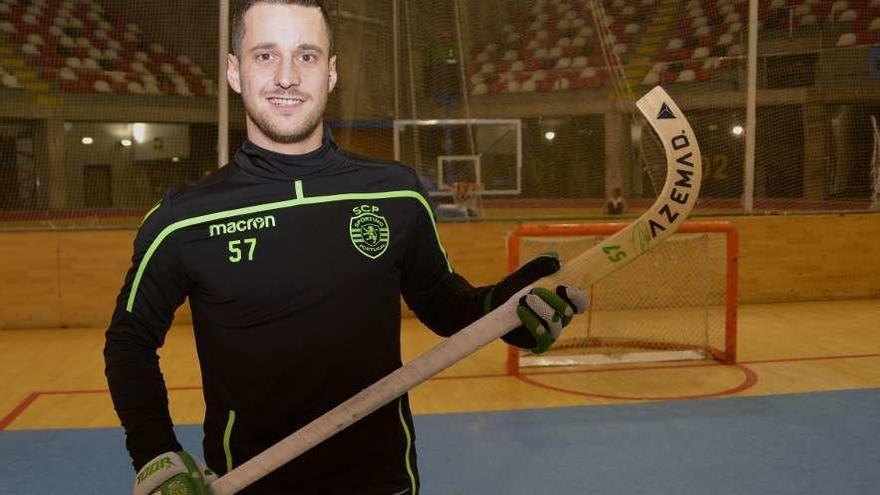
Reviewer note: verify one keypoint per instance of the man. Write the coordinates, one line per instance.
(294, 257)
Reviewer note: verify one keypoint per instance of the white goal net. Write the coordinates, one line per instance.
(675, 302)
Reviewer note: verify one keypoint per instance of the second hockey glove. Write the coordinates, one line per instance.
(543, 312)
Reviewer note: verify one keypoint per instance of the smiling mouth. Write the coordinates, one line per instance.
(286, 102)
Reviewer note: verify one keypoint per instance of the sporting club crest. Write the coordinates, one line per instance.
(369, 231)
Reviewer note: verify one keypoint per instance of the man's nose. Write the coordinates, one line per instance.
(287, 74)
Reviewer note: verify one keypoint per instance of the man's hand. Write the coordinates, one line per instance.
(543, 312)
(174, 473)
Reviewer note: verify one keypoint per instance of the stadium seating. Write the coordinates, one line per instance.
(553, 44)
(85, 46)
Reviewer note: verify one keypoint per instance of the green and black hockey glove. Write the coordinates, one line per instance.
(174, 473)
(543, 312)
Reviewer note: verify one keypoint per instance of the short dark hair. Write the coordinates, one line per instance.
(238, 23)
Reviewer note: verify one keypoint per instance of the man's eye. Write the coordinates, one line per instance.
(264, 56)
(307, 57)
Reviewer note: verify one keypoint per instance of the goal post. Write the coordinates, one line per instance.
(676, 302)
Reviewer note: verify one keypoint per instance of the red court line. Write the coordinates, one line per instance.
(21, 407)
(9, 418)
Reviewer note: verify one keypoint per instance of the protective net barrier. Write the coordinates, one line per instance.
(675, 302)
(105, 105)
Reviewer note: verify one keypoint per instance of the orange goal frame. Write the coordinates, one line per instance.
(728, 355)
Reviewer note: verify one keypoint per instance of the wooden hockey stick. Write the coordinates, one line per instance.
(679, 195)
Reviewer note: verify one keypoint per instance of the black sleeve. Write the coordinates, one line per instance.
(442, 299)
(154, 288)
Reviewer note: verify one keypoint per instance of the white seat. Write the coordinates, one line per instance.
(141, 56)
(555, 52)
(808, 20)
(725, 39)
(73, 62)
(563, 63)
(735, 50)
(875, 24)
(564, 42)
(7, 27)
(621, 48)
(116, 76)
(675, 44)
(83, 42)
(732, 17)
(588, 73)
(518, 66)
(529, 86)
(90, 63)
(702, 31)
(114, 45)
(182, 90)
(700, 52)
(513, 86)
(11, 81)
(100, 34)
(846, 39)
(651, 79)
(480, 89)
(848, 16)
(734, 27)
(96, 53)
(67, 74)
(540, 54)
(579, 62)
(586, 32)
(631, 28)
(513, 37)
(30, 49)
(139, 67)
(511, 55)
(130, 36)
(102, 86)
(686, 76)
(35, 39)
(699, 22)
(579, 41)
(712, 63)
(561, 84)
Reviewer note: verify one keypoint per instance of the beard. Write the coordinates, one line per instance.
(270, 128)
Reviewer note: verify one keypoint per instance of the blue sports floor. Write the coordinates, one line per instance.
(816, 443)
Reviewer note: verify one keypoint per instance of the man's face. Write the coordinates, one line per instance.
(284, 73)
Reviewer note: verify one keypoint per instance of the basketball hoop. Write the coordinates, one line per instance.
(466, 196)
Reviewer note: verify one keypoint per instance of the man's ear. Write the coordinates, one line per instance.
(333, 75)
(233, 73)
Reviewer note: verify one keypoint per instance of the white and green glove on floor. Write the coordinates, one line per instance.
(174, 473)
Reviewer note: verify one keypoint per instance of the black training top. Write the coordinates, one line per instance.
(294, 267)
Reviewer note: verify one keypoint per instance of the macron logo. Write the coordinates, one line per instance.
(253, 223)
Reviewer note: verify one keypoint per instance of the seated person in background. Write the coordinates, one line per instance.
(616, 205)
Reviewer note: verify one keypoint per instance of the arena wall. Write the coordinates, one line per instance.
(71, 278)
